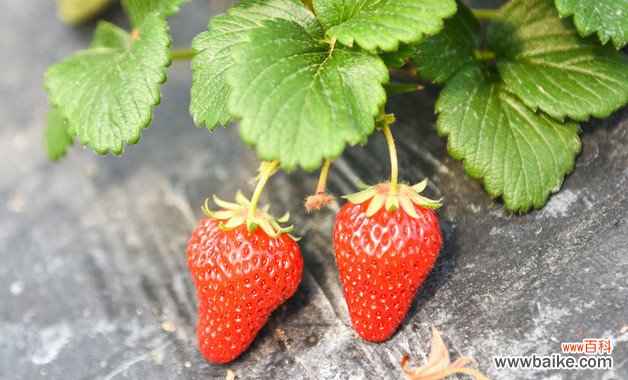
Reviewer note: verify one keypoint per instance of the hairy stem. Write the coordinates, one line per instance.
(402, 88)
(394, 165)
(484, 55)
(182, 54)
(309, 5)
(407, 71)
(485, 14)
(267, 169)
(321, 188)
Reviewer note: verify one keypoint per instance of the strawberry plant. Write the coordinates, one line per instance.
(306, 79)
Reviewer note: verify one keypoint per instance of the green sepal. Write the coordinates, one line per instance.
(234, 215)
(405, 197)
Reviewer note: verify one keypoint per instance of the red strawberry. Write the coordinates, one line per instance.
(384, 254)
(241, 277)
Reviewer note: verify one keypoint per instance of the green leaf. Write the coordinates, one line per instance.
(382, 24)
(209, 92)
(79, 11)
(300, 98)
(606, 17)
(550, 66)
(438, 57)
(522, 155)
(397, 59)
(138, 10)
(107, 92)
(56, 135)
(109, 36)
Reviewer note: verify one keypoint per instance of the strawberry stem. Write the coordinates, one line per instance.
(484, 55)
(309, 5)
(485, 14)
(394, 165)
(402, 88)
(182, 54)
(267, 169)
(322, 180)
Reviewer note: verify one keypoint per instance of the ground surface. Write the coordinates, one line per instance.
(93, 283)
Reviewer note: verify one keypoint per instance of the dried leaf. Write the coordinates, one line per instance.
(439, 365)
(318, 201)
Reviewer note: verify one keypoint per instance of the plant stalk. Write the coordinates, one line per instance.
(394, 165)
(407, 71)
(485, 14)
(402, 88)
(321, 188)
(181, 54)
(309, 5)
(267, 169)
(484, 55)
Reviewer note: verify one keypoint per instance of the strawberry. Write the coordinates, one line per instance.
(242, 273)
(385, 241)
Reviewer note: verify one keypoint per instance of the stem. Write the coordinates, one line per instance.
(408, 71)
(485, 14)
(309, 5)
(394, 165)
(402, 88)
(322, 180)
(182, 54)
(268, 168)
(484, 55)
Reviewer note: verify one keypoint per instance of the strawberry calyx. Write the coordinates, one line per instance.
(233, 215)
(318, 201)
(321, 198)
(393, 197)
